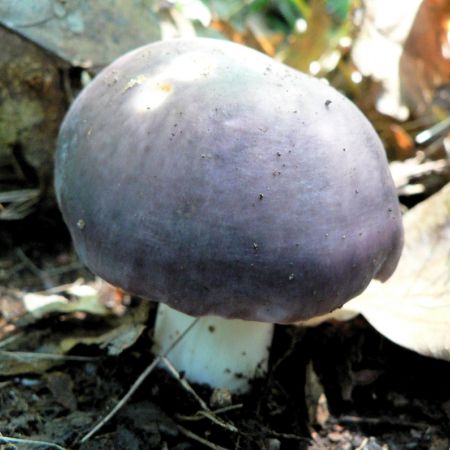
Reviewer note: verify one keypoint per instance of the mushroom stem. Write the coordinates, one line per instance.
(222, 353)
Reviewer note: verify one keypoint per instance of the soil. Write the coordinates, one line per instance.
(340, 385)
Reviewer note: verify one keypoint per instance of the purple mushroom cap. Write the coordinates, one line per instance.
(205, 175)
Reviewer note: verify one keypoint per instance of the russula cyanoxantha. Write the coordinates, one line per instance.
(206, 176)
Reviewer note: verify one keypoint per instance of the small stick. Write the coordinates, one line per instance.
(213, 418)
(383, 420)
(29, 442)
(137, 383)
(198, 416)
(289, 436)
(45, 279)
(184, 383)
(37, 355)
(206, 411)
(8, 340)
(435, 131)
(198, 438)
(228, 408)
(5, 384)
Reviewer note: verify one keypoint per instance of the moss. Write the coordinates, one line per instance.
(18, 117)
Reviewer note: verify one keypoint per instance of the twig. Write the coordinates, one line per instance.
(8, 340)
(238, 443)
(29, 442)
(434, 132)
(46, 280)
(198, 438)
(213, 418)
(18, 195)
(394, 422)
(138, 382)
(197, 416)
(20, 204)
(200, 415)
(289, 436)
(207, 413)
(184, 383)
(4, 384)
(37, 355)
(228, 408)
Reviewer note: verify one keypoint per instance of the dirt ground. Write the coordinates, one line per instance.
(337, 386)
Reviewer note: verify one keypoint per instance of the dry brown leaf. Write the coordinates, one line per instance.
(228, 30)
(405, 45)
(378, 49)
(413, 307)
(38, 349)
(412, 176)
(25, 308)
(117, 339)
(402, 142)
(255, 35)
(425, 61)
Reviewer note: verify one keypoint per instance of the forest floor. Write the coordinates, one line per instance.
(340, 385)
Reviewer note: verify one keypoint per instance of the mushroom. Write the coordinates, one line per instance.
(206, 176)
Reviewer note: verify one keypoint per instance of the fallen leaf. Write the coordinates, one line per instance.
(383, 31)
(37, 350)
(413, 307)
(90, 34)
(402, 142)
(425, 60)
(118, 338)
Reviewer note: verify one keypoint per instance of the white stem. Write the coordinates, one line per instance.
(219, 352)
